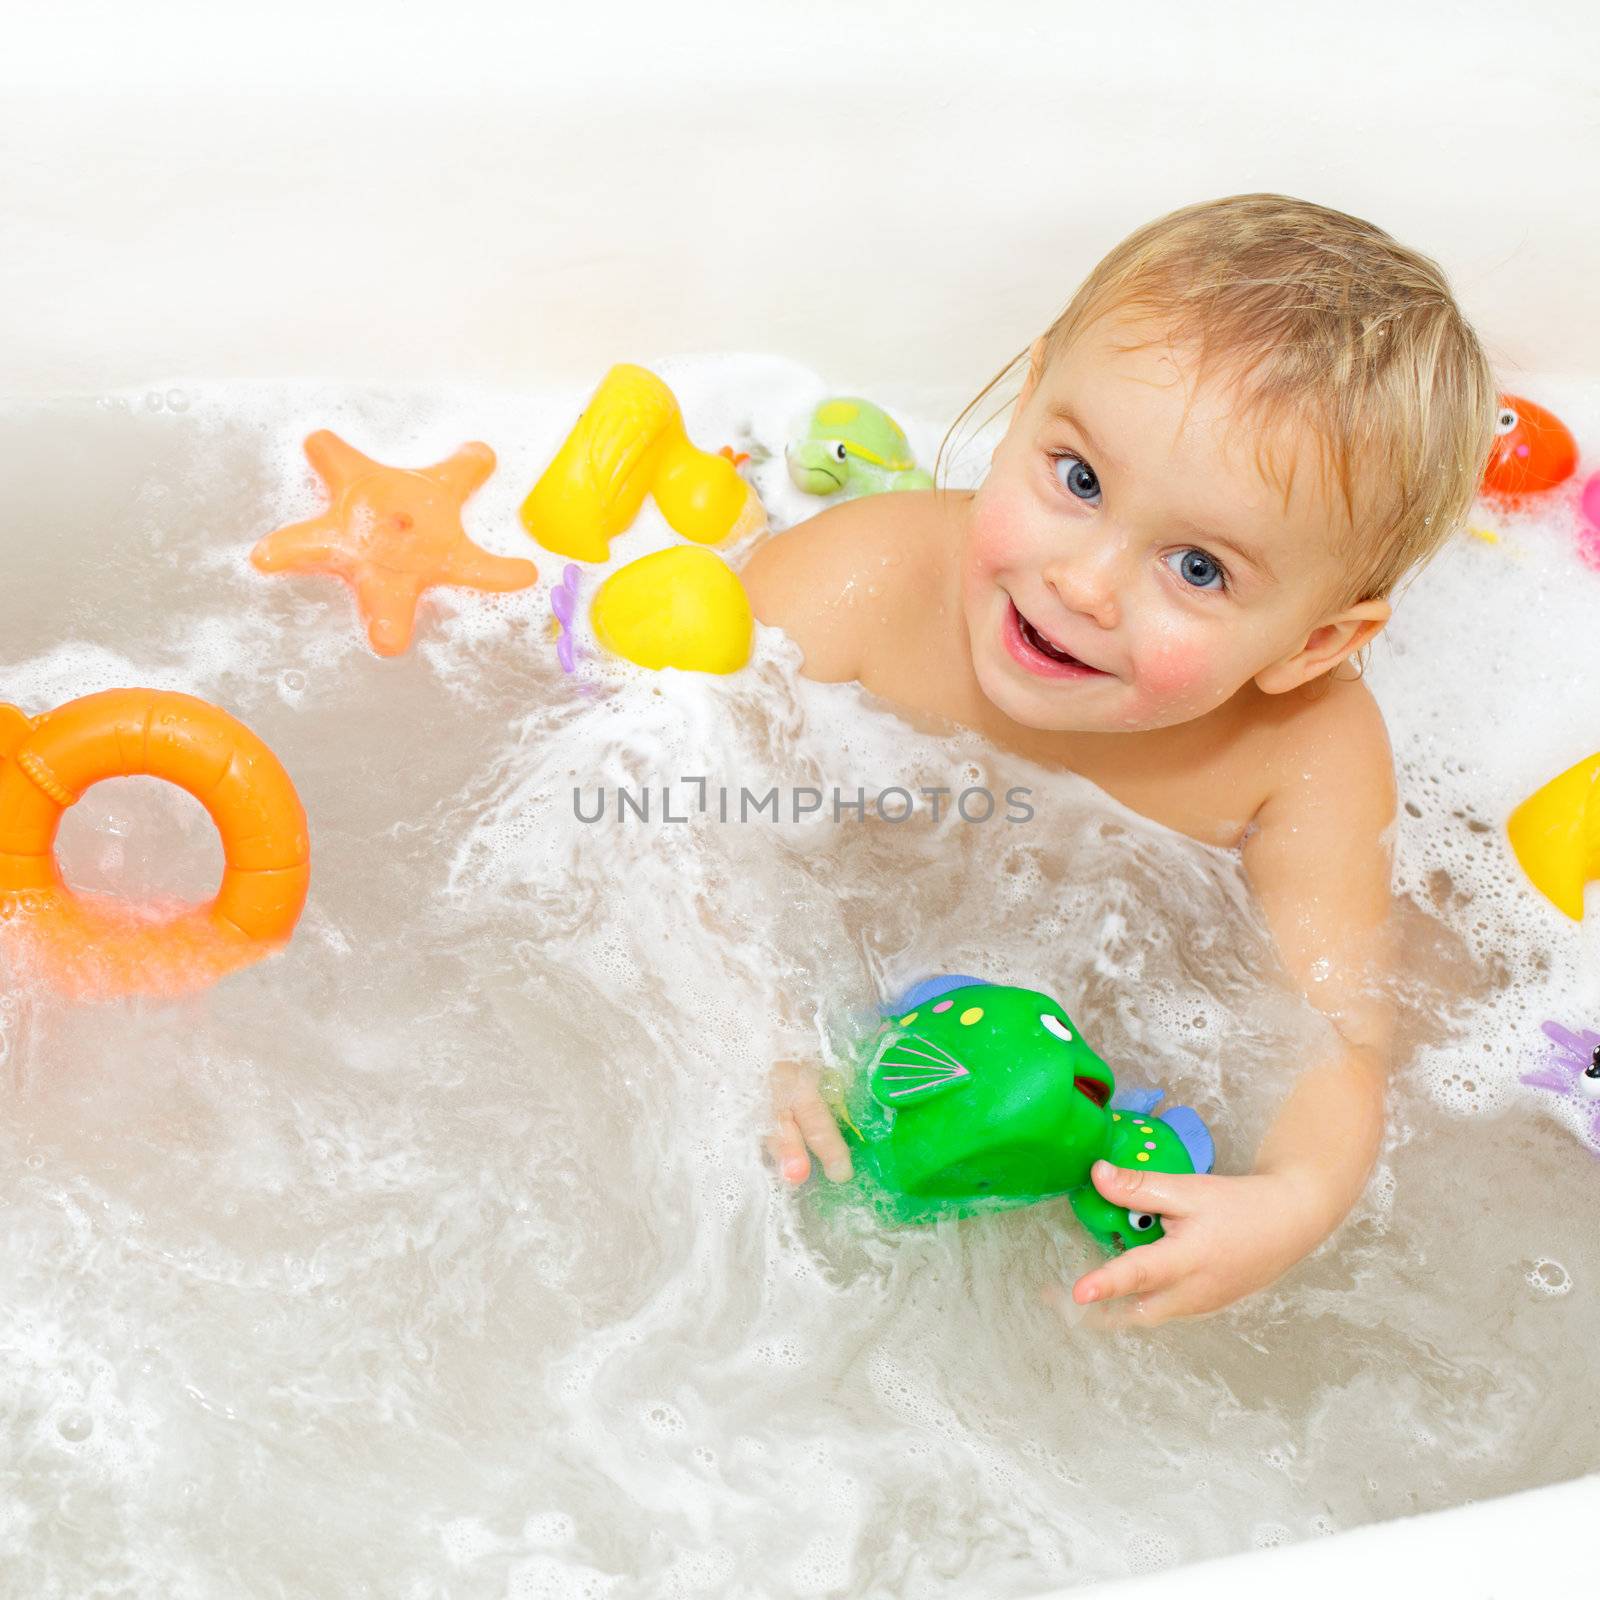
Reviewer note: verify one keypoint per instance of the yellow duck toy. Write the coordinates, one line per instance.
(683, 607)
(1556, 835)
(630, 442)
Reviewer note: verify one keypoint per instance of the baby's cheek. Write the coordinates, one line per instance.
(1178, 672)
(997, 536)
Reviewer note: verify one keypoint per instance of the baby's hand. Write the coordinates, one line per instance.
(1224, 1238)
(803, 1119)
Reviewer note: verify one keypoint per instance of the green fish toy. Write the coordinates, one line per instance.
(854, 446)
(980, 1097)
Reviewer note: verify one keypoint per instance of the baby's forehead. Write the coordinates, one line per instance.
(1152, 403)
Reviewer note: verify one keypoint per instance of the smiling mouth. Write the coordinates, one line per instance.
(1041, 655)
(1045, 647)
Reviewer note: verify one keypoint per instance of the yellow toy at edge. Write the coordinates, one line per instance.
(681, 607)
(628, 443)
(1556, 835)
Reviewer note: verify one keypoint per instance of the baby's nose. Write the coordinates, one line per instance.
(1087, 586)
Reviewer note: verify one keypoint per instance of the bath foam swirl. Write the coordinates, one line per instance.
(450, 1233)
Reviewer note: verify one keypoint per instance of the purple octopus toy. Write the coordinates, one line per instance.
(1572, 1070)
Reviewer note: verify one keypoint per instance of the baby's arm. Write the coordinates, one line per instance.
(808, 582)
(1320, 865)
(1318, 858)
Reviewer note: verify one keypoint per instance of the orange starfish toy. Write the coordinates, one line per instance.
(390, 533)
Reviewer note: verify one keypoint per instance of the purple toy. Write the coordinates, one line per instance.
(1572, 1070)
(563, 598)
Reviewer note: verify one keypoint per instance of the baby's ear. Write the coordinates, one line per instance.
(1329, 643)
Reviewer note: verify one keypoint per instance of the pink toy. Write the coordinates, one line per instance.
(1589, 528)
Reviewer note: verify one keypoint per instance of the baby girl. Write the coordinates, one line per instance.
(1253, 420)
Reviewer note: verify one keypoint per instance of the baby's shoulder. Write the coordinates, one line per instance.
(1331, 748)
(836, 580)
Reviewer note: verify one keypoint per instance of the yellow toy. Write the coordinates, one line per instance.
(628, 443)
(681, 607)
(1556, 835)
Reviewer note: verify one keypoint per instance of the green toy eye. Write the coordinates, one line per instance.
(1141, 1222)
(1054, 1024)
(838, 452)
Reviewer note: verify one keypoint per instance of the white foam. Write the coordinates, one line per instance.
(447, 1231)
(1490, 680)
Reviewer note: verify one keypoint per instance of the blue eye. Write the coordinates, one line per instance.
(1197, 568)
(1077, 477)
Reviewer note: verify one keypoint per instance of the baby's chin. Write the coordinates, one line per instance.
(1079, 708)
(1111, 706)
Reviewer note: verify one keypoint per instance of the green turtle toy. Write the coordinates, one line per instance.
(980, 1097)
(854, 446)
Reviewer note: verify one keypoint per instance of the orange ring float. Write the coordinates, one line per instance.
(99, 946)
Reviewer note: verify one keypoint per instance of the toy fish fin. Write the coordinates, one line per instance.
(1196, 1136)
(910, 1069)
(928, 989)
(1141, 1101)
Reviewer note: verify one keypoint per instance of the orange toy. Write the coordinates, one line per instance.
(96, 946)
(391, 533)
(1533, 450)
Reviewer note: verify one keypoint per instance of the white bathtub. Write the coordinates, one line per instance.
(898, 197)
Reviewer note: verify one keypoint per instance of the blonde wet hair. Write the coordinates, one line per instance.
(1325, 326)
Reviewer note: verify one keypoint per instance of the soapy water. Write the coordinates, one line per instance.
(437, 1256)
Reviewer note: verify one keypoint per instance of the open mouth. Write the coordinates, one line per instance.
(1093, 1089)
(1041, 656)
